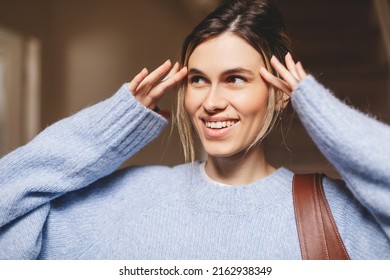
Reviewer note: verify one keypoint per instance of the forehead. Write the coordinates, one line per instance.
(223, 52)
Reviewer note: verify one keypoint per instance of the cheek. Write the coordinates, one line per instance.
(253, 102)
(192, 102)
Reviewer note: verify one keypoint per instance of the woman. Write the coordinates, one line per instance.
(61, 199)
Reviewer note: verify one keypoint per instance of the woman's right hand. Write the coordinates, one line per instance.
(149, 88)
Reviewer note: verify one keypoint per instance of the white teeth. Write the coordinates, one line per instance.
(220, 124)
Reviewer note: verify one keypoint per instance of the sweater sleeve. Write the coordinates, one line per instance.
(355, 143)
(69, 155)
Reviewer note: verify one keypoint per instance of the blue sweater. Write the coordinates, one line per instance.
(61, 198)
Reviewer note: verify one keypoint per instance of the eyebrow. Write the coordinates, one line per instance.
(238, 70)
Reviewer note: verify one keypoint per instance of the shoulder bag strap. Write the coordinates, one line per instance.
(318, 236)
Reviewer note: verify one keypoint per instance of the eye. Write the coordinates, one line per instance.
(235, 80)
(197, 80)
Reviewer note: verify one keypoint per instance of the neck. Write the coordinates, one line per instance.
(241, 169)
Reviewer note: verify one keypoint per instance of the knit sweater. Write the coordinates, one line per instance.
(62, 198)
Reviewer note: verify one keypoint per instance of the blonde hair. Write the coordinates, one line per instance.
(260, 24)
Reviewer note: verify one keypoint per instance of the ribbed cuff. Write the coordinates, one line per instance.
(121, 123)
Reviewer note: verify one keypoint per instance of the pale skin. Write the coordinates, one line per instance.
(236, 167)
(225, 90)
(150, 88)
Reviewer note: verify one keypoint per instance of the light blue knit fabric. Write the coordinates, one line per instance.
(61, 198)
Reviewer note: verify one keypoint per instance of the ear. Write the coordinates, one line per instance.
(283, 101)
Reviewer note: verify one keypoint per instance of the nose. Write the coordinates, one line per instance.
(215, 100)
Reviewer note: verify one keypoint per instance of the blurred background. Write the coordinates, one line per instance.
(59, 56)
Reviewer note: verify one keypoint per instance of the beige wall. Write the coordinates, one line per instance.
(98, 45)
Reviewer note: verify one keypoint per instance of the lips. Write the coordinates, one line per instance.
(214, 128)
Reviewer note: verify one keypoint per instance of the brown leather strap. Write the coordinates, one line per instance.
(318, 236)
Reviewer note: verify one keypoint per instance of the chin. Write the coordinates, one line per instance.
(224, 153)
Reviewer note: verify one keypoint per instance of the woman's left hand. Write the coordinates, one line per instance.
(291, 76)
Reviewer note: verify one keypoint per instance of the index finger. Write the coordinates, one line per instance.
(170, 82)
(275, 81)
(153, 77)
(284, 73)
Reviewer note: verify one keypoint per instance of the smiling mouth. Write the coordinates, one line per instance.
(220, 124)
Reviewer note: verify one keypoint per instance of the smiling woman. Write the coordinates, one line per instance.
(71, 203)
(262, 34)
(227, 102)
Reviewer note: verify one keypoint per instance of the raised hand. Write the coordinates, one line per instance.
(291, 76)
(150, 88)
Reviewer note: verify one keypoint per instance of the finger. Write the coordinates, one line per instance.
(153, 77)
(137, 80)
(173, 71)
(275, 81)
(291, 65)
(284, 73)
(160, 89)
(301, 72)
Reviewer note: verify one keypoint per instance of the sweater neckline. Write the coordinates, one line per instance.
(209, 195)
